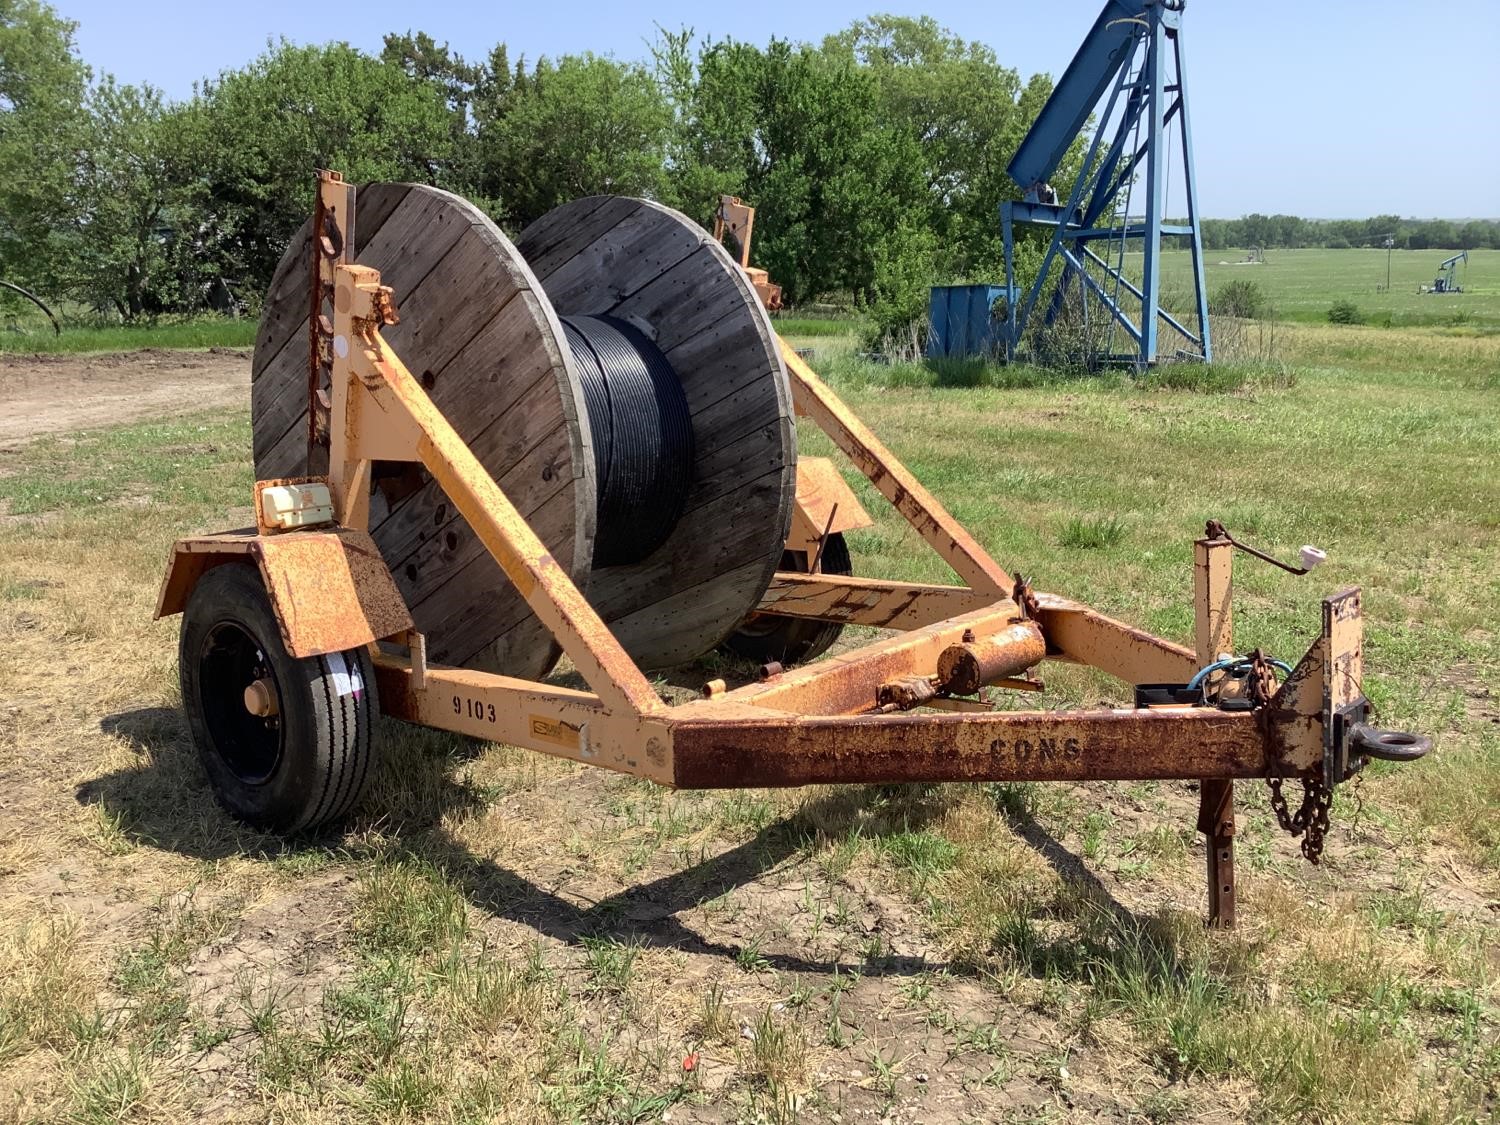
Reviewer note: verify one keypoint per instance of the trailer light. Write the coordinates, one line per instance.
(288, 506)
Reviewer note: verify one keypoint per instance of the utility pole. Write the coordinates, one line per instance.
(1390, 242)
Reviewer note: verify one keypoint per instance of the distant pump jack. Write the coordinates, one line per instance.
(1447, 278)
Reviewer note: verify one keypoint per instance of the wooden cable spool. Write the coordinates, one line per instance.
(482, 328)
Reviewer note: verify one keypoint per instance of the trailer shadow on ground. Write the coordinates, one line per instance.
(166, 803)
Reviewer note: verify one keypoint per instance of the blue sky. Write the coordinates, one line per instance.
(1323, 108)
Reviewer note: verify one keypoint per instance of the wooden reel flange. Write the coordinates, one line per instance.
(480, 326)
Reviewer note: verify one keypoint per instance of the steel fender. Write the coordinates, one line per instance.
(330, 588)
(825, 505)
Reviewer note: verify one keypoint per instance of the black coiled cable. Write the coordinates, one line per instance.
(642, 432)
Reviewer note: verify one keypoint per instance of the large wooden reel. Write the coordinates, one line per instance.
(479, 326)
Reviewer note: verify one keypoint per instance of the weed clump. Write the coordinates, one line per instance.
(1241, 298)
(1345, 312)
(1092, 534)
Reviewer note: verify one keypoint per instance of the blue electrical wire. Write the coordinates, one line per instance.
(1230, 664)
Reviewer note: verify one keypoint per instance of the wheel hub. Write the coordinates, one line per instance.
(241, 702)
(260, 698)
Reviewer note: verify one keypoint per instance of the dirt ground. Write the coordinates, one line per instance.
(45, 394)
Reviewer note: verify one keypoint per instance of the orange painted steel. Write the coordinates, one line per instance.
(851, 600)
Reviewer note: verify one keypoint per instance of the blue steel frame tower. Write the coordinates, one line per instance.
(1134, 52)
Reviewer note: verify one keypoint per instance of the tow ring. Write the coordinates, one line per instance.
(1387, 745)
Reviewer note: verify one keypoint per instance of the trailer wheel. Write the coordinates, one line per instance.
(286, 742)
(793, 640)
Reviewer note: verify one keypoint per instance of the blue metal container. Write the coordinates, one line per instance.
(961, 321)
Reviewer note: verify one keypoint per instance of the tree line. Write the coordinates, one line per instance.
(876, 158)
(1291, 232)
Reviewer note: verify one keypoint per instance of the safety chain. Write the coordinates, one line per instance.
(1310, 821)
(1311, 818)
(1263, 683)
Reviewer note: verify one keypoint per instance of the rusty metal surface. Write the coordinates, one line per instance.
(905, 693)
(893, 480)
(317, 293)
(1216, 823)
(825, 504)
(846, 684)
(1300, 719)
(193, 558)
(766, 289)
(735, 218)
(966, 667)
(997, 746)
(331, 590)
(1328, 677)
(1344, 669)
(329, 586)
(850, 600)
(333, 228)
(1301, 693)
(1213, 601)
(1025, 598)
(1213, 633)
(1078, 633)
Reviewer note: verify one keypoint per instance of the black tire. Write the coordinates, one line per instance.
(308, 764)
(793, 640)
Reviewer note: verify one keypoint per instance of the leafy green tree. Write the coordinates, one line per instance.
(423, 59)
(43, 128)
(796, 131)
(966, 114)
(1474, 234)
(125, 182)
(262, 131)
(585, 125)
(1435, 233)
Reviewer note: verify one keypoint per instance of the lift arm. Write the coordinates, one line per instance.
(1107, 48)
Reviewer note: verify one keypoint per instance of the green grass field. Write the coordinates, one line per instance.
(1302, 284)
(27, 333)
